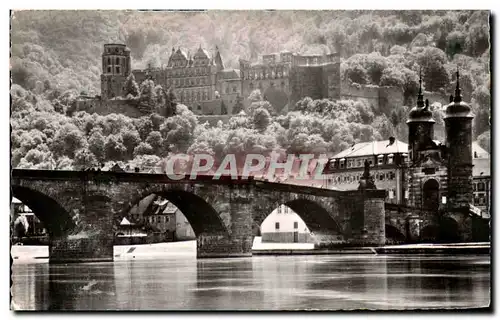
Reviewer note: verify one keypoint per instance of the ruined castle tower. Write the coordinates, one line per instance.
(116, 66)
(458, 125)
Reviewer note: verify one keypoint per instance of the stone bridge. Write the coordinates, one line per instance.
(81, 210)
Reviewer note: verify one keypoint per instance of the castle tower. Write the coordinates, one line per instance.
(116, 66)
(458, 126)
(420, 127)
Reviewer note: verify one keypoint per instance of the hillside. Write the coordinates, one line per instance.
(57, 54)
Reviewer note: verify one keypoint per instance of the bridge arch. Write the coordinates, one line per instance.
(393, 234)
(314, 215)
(55, 218)
(202, 216)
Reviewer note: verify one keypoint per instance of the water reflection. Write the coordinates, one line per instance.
(257, 283)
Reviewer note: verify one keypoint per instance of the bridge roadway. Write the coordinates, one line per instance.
(81, 209)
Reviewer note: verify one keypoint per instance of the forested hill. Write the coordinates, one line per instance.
(63, 48)
(57, 54)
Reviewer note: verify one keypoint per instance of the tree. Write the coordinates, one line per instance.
(97, 145)
(147, 93)
(130, 139)
(131, 87)
(261, 119)
(68, 140)
(84, 158)
(357, 74)
(435, 75)
(375, 64)
(155, 140)
(142, 149)
(114, 148)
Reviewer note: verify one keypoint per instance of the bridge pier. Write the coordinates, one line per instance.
(92, 237)
(77, 249)
(239, 241)
(367, 218)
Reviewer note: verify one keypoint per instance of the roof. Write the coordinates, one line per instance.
(373, 148)
(481, 167)
(201, 53)
(182, 53)
(230, 74)
(16, 200)
(125, 222)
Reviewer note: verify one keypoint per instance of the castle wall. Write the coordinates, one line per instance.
(105, 107)
(306, 81)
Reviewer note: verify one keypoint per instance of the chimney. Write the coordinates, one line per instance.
(391, 141)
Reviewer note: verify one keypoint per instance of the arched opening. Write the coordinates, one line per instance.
(283, 225)
(299, 221)
(277, 97)
(393, 235)
(169, 216)
(55, 219)
(431, 194)
(429, 233)
(448, 230)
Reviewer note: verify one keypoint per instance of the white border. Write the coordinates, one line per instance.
(193, 4)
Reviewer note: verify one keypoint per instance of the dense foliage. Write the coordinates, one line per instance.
(56, 55)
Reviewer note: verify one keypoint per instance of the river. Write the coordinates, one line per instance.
(317, 282)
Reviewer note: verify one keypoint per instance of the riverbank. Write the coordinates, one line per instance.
(29, 254)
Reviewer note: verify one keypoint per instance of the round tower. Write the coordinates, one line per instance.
(420, 127)
(458, 126)
(116, 66)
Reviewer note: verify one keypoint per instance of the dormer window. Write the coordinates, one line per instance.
(342, 163)
(390, 159)
(380, 159)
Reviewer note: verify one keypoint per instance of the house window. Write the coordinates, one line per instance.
(117, 69)
(380, 160)
(407, 194)
(391, 194)
(277, 226)
(480, 186)
(390, 159)
(109, 69)
(295, 225)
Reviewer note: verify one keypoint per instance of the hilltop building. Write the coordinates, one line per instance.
(202, 82)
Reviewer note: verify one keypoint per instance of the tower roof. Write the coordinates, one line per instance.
(458, 108)
(421, 112)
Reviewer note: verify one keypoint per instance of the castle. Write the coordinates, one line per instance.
(201, 82)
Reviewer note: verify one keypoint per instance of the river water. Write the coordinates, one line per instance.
(327, 282)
